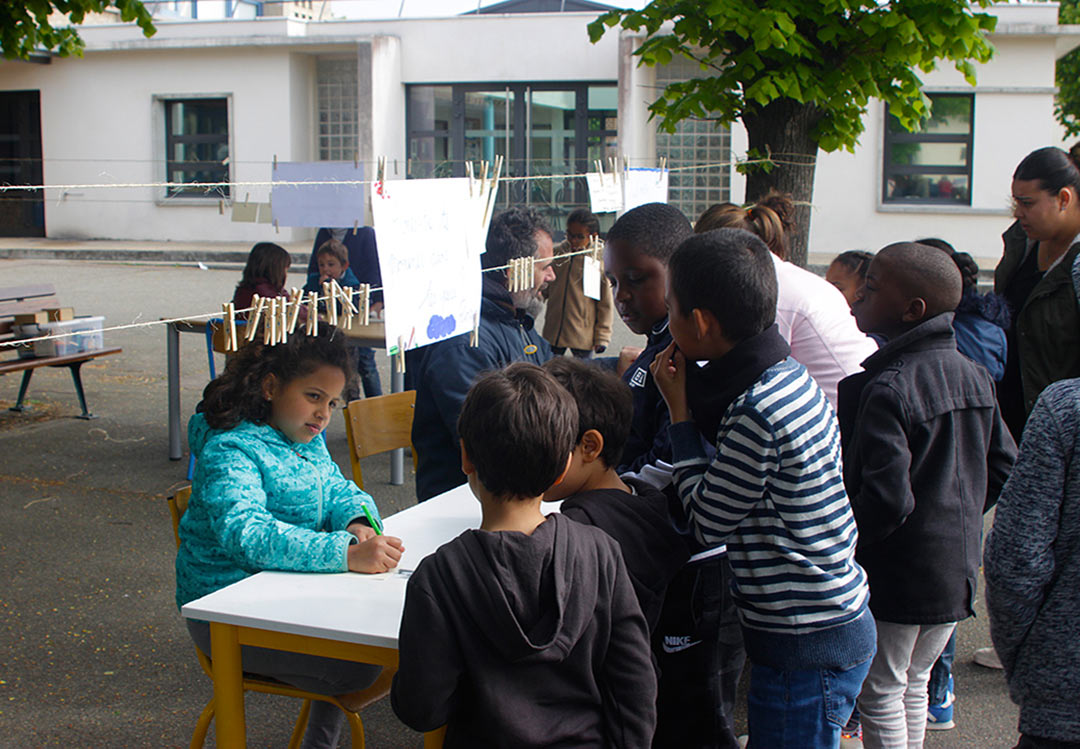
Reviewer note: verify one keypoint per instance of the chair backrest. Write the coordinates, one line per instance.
(177, 507)
(218, 340)
(376, 425)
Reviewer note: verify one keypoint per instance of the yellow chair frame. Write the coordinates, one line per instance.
(376, 425)
(357, 701)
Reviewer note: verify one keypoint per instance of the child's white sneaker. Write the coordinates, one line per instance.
(988, 658)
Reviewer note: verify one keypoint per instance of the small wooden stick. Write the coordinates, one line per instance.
(346, 294)
(257, 303)
(347, 308)
(313, 313)
(474, 334)
(365, 303)
(296, 300)
(270, 333)
(283, 320)
(401, 353)
(331, 303)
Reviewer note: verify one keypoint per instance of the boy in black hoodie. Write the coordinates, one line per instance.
(525, 632)
(631, 512)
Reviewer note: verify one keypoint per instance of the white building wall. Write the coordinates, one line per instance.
(101, 124)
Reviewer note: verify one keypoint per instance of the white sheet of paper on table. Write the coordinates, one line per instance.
(318, 205)
(605, 192)
(641, 186)
(590, 278)
(431, 279)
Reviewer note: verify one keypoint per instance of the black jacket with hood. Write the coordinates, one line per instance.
(515, 640)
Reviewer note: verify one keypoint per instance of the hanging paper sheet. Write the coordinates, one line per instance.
(431, 278)
(318, 205)
(605, 192)
(641, 186)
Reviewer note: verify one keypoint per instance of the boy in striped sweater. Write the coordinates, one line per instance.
(774, 491)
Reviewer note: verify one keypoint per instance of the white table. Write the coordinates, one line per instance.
(346, 615)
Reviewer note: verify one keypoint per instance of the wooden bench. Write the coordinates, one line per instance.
(22, 299)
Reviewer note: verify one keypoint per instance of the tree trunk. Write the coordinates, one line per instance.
(781, 130)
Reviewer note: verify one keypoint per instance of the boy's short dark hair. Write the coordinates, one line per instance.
(586, 218)
(656, 229)
(603, 400)
(518, 426)
(730, 273)
(512, 234)
(333, 247)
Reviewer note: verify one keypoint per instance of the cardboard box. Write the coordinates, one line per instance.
(87, 330)
(31, 318)
(60, 314)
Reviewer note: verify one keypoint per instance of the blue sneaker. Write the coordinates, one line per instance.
(940, 717)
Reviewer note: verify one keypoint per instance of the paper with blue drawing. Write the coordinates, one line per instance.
(429, 257)
(323, 203)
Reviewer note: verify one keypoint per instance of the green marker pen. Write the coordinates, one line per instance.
(371, 520)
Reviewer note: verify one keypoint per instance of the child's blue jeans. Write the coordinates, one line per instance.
(804, 709)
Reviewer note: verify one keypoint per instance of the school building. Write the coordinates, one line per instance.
(222, 99)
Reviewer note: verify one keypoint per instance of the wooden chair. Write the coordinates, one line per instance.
(357, 700)
(376, 425)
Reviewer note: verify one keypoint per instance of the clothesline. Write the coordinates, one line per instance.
(210, 186)
(218, 313)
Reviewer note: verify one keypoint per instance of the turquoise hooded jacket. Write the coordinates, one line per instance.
(262, 502)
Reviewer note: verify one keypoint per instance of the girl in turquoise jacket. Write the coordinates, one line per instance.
(268, 496)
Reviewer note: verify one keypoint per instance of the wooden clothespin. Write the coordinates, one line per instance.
(356, 227)
(401, 353)
(276, 229)
(600, 170)
(270, 329)
(275, 162)
(228, 325)
(221, 207)
(395, 167)
(347, 309)
(380, 175)
(494, 188)
(364, 298)
(328, 291)
(295, 302)
(283, 320)
(313, 313)
(469, 174)
(356, 159)
(474, 334)
(257, 303)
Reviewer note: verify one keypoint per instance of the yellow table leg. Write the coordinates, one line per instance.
(228, 686)
(434, 739)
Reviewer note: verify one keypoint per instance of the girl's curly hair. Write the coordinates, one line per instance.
(237, 394)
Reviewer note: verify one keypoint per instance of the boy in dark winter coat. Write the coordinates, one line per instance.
(525, 632)
(925, 455)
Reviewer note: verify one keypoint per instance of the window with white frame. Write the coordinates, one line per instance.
(932, 164)
(338, 134)
(197, 146)
(694, 143)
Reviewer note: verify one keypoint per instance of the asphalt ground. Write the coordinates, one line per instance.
(93, 652)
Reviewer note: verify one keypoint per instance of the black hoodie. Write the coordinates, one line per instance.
(526, 640)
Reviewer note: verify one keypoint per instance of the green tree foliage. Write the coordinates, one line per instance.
(1067, 105)
(25, 27)
(800, 74)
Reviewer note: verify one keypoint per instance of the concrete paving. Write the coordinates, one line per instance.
(96, 654)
